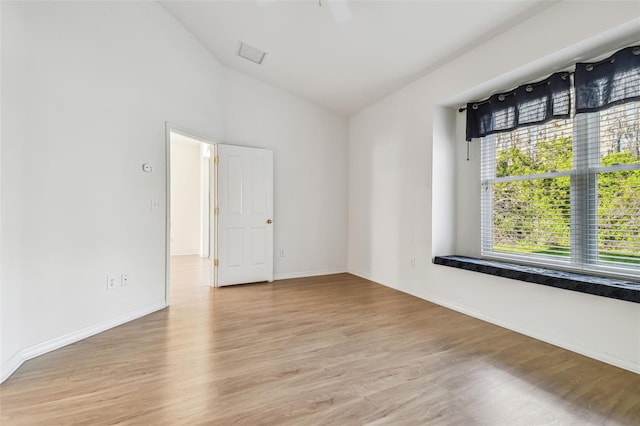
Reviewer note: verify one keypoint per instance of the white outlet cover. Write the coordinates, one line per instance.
(124, 280)
(111, 282)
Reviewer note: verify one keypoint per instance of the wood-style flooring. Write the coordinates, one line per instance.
(330, 350)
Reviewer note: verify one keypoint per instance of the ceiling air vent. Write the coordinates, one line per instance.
(251, 53)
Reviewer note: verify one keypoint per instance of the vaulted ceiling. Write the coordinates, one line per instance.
(346, 66)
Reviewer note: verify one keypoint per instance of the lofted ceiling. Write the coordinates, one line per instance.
(346, 66)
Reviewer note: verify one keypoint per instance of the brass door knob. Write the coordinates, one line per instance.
(269, 221)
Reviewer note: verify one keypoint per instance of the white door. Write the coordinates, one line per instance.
(245, 212)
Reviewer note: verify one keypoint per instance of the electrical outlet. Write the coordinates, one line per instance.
(156, 205)
(282, 253)
(412, 262)
(124, 280)
(111, 282)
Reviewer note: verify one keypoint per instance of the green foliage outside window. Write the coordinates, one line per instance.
(534, 216)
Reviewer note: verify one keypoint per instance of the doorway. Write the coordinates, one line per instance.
(190, 231)
(219, 228)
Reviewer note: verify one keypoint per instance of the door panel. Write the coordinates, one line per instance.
(234, 179)
(245, 194)
(235, 244)
(259, 199)
(258, 246)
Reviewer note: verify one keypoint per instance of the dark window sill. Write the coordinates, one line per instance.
(590, 284)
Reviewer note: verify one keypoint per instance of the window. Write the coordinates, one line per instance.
(566, 192)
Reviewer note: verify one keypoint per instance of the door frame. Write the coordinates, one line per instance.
(213, 224)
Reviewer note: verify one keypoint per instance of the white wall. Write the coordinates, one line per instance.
(185, 197)
(310, 172)
(412, 194)
(309, 146)
(10, 221)
(87, 89)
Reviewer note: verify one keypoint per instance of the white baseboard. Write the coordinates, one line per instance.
(26, 354)
(588, 352)
(9, 367)
(363, 275)
(316, 273)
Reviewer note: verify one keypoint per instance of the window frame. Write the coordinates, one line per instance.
(583, 197)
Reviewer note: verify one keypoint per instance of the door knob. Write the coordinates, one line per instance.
(269, 221)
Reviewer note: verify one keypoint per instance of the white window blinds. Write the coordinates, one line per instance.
(566, 192)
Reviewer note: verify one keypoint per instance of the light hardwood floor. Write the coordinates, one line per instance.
(332, 350)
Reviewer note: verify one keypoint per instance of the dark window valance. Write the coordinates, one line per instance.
(609, 82)
(528, 104)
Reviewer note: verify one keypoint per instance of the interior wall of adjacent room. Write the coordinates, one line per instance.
(186, 208)
(413, 194)
(207, 183)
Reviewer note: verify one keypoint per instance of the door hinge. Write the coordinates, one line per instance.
(216, 262)
(216, 159)
(216, 211)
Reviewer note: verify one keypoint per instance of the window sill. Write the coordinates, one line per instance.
(590, 284)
